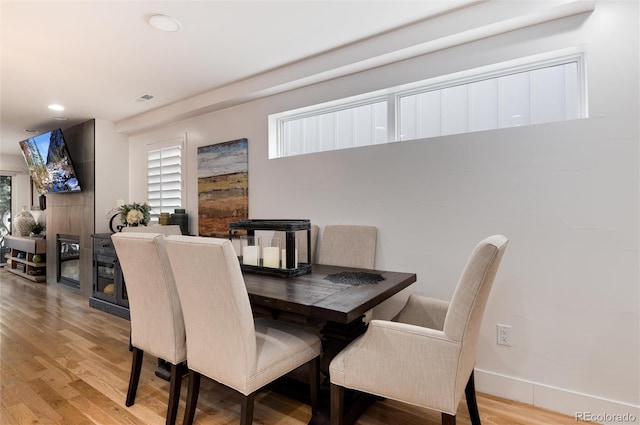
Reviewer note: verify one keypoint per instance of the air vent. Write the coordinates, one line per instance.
(143, 98)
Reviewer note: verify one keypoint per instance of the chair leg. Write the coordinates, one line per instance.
(136, 366)
(472, 405)
(174, 393)
(337, 404)
(192, 397)
(314, 383)
(448, 419)
(246, 414)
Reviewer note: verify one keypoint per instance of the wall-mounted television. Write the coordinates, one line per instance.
(49, 163)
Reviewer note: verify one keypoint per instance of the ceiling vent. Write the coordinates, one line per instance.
(143, 98)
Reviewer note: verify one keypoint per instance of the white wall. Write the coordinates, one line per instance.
(112, 172)
(566, 195)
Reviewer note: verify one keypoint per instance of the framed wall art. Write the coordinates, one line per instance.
(223, 186)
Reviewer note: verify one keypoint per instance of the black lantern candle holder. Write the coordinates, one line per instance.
(268, 257)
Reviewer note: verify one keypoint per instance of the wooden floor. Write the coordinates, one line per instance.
(65, 363)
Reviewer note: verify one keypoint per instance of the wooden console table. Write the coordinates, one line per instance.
(24, 250)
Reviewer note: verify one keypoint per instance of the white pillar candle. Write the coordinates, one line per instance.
(250, 255)
(284, 259)
(271, 256)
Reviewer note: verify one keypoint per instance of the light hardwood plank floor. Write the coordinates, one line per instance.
(65, 363)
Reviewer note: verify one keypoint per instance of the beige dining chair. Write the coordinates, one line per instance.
(224, 341)
(157, 324)
(348, 246)
(167, 230)
(426, 356)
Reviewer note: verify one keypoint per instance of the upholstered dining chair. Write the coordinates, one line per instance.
(171, 229)
(167, 230)
(348, 246)
(426, 356)
(224, 341)
(157, 324)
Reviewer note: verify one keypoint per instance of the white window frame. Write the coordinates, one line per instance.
(178, 142)
(277, 121)
(531, 63)
(393, 95)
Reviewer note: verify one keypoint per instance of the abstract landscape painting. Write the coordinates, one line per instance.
(223, 186)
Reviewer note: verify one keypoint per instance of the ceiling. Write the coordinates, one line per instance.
(96, 57)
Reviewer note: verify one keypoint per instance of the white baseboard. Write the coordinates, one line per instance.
(584, 407)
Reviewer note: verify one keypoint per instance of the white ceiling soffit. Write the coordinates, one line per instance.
(467, 22)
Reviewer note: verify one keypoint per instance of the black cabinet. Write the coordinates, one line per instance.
(109, 290)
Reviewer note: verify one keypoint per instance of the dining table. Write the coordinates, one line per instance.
(334, 300)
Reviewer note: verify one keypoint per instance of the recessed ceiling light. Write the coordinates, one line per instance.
(164, 23)
(32, 131)
(59, 118)
(56, 107)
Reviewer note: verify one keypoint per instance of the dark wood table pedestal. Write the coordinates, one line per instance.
(355, 402)
(335, 337)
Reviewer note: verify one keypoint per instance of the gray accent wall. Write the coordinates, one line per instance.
(73, 213)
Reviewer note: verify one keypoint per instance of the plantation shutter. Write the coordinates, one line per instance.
(164, 178)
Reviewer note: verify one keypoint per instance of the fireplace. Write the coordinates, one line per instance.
(68, 260)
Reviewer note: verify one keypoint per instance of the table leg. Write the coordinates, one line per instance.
(163, 371)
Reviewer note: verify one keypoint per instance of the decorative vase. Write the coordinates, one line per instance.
(23, 221)
(182, 219)
(164, 219)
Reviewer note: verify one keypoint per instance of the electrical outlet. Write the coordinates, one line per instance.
(504, 334)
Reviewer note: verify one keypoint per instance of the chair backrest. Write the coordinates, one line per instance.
(169, 229)
(157, 324)
(348, 246)
(464, 316)
(221, 338)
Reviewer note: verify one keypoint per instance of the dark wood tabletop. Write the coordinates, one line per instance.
(313, 296)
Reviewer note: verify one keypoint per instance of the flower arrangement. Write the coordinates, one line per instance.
(135, 214)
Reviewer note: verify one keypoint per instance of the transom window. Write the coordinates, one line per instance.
(524, 92)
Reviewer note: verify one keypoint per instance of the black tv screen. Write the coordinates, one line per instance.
(49, 162)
